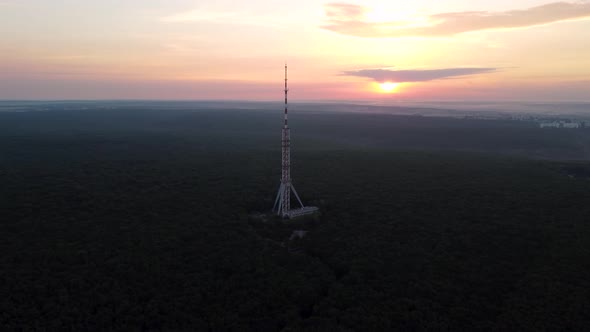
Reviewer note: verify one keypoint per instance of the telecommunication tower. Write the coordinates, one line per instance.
(282, 204)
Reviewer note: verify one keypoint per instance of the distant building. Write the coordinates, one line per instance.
(554, 124)
(561, 124)
(571, 125)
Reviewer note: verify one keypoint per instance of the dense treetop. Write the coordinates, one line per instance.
(130, 219)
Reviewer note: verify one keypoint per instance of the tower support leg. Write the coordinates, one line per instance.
(276, 206)
(296, 195)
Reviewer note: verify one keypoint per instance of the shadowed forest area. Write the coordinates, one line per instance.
(130, 219)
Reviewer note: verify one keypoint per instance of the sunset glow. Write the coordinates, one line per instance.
(388, 87)
(183, 49)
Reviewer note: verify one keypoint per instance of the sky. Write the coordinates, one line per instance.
(505, 50)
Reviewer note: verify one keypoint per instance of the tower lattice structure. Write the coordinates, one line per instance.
(282, 204)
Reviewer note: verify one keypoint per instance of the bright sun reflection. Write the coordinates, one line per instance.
(388, 87)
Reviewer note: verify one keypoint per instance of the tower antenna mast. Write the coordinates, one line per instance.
(282, 204)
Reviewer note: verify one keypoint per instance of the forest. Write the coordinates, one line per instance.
(126, 218)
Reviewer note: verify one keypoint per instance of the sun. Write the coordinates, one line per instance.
(388, 87)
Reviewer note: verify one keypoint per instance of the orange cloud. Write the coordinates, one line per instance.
(350, 19)
(344, 11)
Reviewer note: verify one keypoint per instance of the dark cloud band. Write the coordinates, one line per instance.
(401, 76)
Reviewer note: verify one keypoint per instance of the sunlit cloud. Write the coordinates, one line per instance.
(344, 11)
(416, 75)
(355, 20)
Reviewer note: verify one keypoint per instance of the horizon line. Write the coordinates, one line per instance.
(331, 101)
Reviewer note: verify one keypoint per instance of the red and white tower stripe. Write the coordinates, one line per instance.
(282, 204)
(286, 151)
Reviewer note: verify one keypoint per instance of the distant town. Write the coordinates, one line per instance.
(562, 124)
(543, 122)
